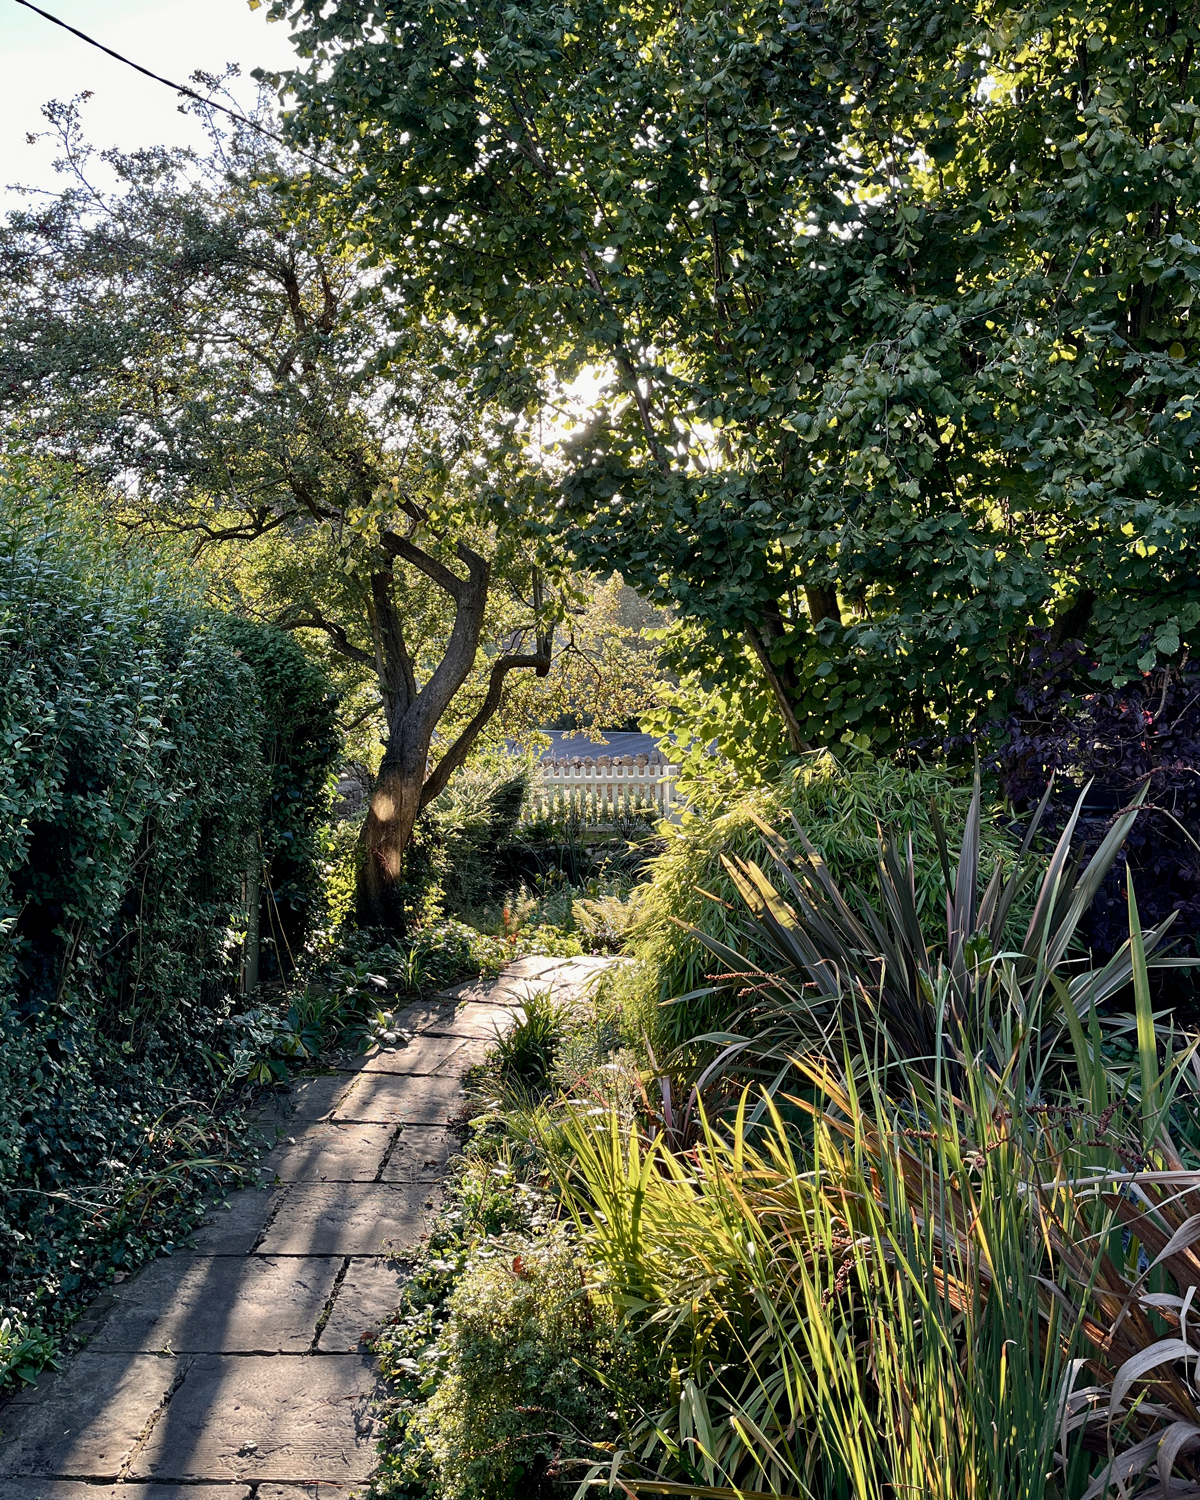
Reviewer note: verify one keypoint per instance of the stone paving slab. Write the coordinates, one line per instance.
(232, 1226)
(475, 1020)
(424, 1055)
(91, 1419)
(367, 1298)
(381, 1098)
(222, 1305)
(270, 1417)
(306, 1492)
(241, 1407)
(566, 978)
(72, 1489)
(420, 1154)
(425, 1015)
(314, 1099)
(350, 1218)
(332, 1152)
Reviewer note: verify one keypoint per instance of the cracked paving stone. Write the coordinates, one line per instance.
(307, 1492)
(90, 1419)
(367, 1298)
(332, 1152)
(291, 1420)
(314, 1098)
(351, 1218)
(383, 1098)
(222, 1305)
(421, 1154)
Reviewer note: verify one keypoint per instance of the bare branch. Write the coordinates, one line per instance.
(359, 718)
(338, 638)
(451, 583)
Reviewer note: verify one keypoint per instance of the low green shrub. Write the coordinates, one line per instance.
(24, 1352)
(472, 821)
(441, 952)
(515, 1400)
(504, 1366)
(527, 1051)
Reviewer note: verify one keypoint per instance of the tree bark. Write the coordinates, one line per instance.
(405, 784)
(250, 955)
(797, 744)
(387, 829)
(822, 603)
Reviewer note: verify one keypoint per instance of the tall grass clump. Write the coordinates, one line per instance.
(944, 1285)
(950, 1260)
(859, 1312)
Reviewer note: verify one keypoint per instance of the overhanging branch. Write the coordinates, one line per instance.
(338, 638)
(435, 571)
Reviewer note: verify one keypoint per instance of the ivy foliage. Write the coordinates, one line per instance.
(892, 300)
(135, 780)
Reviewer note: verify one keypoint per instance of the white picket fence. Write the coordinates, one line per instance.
(600, 789)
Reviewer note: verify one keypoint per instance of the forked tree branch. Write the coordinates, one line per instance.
(459, 750)
(437, 572)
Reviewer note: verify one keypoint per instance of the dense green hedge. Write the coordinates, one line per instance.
(299, 745)
(142, 760)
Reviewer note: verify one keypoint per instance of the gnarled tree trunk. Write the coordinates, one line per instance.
(405, 784)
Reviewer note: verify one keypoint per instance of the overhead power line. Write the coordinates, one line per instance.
(180, 88)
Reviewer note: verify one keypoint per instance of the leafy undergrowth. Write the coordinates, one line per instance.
(347, 999)
(505, 1370)
(98, 1194)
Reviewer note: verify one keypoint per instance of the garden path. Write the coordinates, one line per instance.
(234, 1368)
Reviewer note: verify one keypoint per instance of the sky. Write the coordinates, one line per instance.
(40, 61)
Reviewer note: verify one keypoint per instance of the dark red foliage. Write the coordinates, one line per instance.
(1118, 738)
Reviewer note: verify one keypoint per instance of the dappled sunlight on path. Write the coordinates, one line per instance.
(236, 1366)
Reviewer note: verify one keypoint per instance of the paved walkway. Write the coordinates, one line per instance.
(234, 1367)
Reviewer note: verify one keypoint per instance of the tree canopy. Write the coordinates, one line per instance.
(892, 302)
(212, 363)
